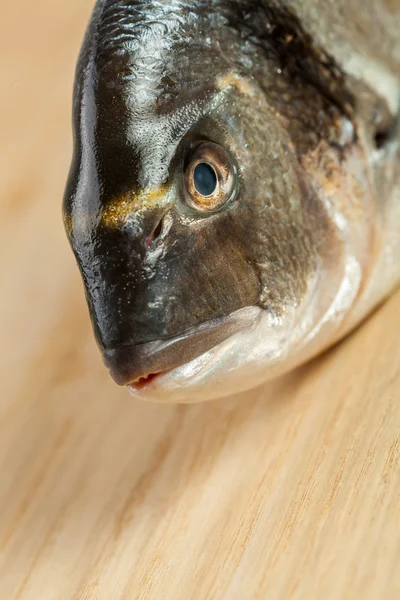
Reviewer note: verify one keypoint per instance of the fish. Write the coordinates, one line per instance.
(233, 201)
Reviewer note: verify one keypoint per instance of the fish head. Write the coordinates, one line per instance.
(198, 238)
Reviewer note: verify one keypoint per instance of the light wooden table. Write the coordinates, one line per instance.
(290, 492)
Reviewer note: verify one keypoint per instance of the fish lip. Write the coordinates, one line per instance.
(143, 384)
(128, 363)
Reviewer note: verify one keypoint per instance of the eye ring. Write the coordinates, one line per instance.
(210, 177)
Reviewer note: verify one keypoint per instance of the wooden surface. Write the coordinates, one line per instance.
(290, 492)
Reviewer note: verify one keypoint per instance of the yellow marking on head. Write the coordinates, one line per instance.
(67, 223)
(116, 212)
(235, 80)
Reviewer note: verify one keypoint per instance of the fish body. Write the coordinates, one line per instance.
(234, 196)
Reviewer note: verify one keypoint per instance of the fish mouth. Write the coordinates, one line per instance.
(139, 365)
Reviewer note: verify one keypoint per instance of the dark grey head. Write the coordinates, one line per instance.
(186, 203)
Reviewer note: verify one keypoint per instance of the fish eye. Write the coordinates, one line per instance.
(210, 177)
(205, 179)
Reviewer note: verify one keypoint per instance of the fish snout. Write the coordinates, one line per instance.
(130, 363)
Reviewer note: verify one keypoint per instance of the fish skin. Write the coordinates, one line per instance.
(309, 243)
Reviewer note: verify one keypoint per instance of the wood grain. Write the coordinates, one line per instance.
(289, 492)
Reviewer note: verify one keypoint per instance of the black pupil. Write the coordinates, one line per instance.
(205, 179)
